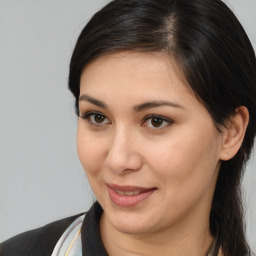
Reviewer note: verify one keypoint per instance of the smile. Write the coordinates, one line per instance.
(127, 193)
(128, 196)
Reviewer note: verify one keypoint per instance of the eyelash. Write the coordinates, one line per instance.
(163, 119)
(89, 114)
(160, 118)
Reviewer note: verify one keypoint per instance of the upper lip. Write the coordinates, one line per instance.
(128, 188)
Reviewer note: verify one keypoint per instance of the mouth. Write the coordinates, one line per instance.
(127, 193)
(128, 196)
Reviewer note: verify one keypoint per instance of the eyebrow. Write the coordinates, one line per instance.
(94, 101)
(155, 104)
(137, 108)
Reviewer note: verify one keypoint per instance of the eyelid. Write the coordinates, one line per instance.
(86, 116)
(164, 119)
(89, 113)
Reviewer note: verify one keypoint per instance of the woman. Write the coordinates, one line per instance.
(165, 94)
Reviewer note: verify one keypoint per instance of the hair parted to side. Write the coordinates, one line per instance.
(216, 57)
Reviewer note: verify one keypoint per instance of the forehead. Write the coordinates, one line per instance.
(151, 69)
(124, 80)
(131, 78)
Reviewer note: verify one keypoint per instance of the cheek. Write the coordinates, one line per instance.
(185, 172)
(89, 151)
(186, 160)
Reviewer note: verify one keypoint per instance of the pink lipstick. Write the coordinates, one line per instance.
(128, 196)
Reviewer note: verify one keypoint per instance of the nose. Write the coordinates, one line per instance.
(124, 153)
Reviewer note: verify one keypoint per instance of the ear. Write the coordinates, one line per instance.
(234, 132)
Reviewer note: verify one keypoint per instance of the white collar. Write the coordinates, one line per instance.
(70, 243)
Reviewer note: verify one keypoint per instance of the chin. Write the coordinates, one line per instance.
(131, 229)
(131, 224)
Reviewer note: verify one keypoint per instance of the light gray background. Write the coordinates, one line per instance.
(41, 178)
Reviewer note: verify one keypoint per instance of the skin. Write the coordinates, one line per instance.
(180, 158)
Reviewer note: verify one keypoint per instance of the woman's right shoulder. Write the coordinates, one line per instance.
(40, 241)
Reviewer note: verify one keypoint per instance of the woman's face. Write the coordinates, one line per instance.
(149, 148)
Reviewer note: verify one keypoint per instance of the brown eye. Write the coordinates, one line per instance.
(98, 118)
(95, 118)
(156, 122)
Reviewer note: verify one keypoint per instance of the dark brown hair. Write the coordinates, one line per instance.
(217, 59)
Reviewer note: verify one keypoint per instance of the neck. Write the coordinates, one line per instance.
(185, 240)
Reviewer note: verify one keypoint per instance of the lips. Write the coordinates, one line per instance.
(127, 193)
(128, 196)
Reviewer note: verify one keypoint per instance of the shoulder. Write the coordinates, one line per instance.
(38, 242)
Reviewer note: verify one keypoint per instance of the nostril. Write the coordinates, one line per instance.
(123, 156)
(123, 163)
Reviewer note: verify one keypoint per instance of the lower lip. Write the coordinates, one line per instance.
(128, 201)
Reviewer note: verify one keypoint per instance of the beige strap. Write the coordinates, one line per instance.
(73, 242)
